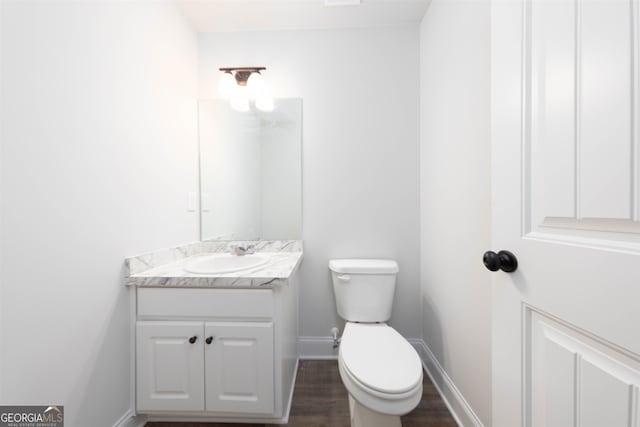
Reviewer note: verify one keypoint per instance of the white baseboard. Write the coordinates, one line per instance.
(317, 348)
(455, 401)
(131, 420)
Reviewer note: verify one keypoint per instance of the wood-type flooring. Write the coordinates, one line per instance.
(320, 400)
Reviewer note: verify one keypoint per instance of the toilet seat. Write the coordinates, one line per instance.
(380, 368)
(379, 358)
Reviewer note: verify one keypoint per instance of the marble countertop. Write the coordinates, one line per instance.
(167, 268)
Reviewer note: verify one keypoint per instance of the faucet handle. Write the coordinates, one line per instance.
(239, 250)
(242, 249)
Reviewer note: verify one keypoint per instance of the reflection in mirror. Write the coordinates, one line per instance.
(250, 172)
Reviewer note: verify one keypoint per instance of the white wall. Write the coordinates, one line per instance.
(99, 151)
(455, 195)
(360, 150)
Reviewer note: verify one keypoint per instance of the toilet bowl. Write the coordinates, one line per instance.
(380, 369)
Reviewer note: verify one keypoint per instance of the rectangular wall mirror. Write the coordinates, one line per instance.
(250, 171)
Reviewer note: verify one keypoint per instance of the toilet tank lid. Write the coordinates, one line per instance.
(363, 266)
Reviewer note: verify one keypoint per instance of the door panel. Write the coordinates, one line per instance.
(577, 379)
(604, 140)
(239, 367)
(566, 340)
(580, 125)
(169, 367)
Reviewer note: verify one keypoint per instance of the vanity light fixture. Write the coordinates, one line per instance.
(242, 84)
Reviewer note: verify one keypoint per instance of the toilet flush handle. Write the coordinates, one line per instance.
(345, 277)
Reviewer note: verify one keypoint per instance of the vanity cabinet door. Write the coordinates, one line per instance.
(170, 364)
(239, 367)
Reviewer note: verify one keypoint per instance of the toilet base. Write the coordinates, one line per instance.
(365, 417)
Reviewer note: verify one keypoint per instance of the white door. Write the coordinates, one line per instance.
(566, 188)
(170, 366)
(239, 367)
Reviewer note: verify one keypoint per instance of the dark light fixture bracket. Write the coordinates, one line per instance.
(242, 74)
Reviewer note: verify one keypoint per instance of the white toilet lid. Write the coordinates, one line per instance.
(380, 358)
(363, 266)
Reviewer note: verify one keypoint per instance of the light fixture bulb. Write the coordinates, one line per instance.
(227, 85)
(265, 103)
(255, 85)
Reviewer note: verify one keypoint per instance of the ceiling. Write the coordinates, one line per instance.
(245, 15)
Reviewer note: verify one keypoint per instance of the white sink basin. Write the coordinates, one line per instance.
(225, 263)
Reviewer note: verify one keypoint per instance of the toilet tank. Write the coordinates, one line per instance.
(364, 288)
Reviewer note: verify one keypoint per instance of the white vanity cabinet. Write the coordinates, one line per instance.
(207, 354)
(170, 368)
(231, 363)
(239, 367)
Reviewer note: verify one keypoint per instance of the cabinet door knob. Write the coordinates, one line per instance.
(193, 339)
(209, 340)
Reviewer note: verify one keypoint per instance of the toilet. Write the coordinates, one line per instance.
(379, 368)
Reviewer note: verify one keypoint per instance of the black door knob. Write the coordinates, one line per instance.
(503, 260)
(209, 340)
(193, 339)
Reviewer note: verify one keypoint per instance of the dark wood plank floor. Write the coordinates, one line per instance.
(320, 400)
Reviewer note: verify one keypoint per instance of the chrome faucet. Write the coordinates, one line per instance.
(241, 250)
